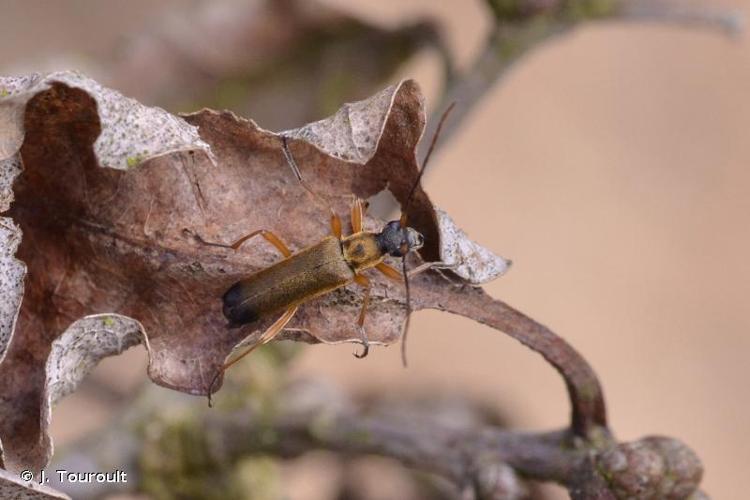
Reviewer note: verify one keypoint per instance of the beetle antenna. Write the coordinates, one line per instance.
(424, 163)
(408, 311)
(295, 169)
(211, 388)
(402, 222)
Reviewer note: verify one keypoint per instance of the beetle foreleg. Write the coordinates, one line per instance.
(431, 265)
(390, 272)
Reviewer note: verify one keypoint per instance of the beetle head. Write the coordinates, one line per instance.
(397, 240)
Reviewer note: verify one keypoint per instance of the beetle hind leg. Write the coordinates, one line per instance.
(267, 336)
(268, 235)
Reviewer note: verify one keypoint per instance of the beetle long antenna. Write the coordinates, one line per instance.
(424, 163)
(402, 223)
(211, 388)
(295, 169)
(408, 311)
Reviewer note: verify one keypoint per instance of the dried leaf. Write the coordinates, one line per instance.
(99, 241)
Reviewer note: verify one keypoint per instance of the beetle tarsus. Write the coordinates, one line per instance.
(365, 344)
(364, 353)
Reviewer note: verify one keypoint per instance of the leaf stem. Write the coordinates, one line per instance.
(588, 415)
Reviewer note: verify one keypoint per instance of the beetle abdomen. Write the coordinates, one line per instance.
(233, 309)
(309, 273)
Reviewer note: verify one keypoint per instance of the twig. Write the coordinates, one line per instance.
(310, 416)
(535, 22)
(589, 416)
(682, 14)
(504, 46)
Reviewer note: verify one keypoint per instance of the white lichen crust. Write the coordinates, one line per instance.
(77, 351)
(130, 131)
(469, 260)
(352, 133)
(12, 273)
(87, 341)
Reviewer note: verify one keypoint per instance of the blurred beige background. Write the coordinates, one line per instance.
(611, 165)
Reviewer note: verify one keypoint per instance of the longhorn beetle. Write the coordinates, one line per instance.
(332, 263)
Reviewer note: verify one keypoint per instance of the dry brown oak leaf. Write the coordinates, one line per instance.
(109, 244)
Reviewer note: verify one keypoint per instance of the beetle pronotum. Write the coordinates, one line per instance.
(332, 263)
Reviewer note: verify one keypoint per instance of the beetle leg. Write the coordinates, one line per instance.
(365, 283)
(390, 272)
(268, 235)
(358, 214)
(431, 265)
(267, 336)
(276, 328)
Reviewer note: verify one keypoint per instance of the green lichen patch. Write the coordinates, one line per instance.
(134, 161)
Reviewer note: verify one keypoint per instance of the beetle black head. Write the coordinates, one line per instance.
(397, 240)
